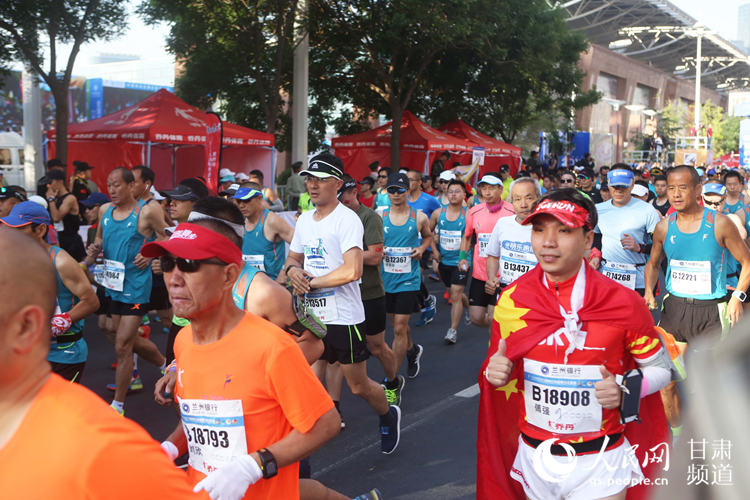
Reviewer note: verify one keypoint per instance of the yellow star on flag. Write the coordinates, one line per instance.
(509, 388)
(508, 315)
(579, 440)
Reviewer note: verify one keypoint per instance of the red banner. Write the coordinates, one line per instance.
(213, 151)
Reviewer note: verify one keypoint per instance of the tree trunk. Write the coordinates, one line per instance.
(396, 114)
(60, 93)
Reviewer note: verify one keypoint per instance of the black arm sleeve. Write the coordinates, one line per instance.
(598, 241)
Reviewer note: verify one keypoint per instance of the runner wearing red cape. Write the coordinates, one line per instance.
(560, 335)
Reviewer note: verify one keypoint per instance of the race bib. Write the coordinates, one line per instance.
(110, 275)
(561, 398)
(690, 277)
(483, 239)
(215, 432)
(621, 272)
(323, 304)
(255, 261)
(450, 240)
(397, 260)
(516, 259)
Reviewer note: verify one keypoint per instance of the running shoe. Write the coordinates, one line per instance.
(135, 385)
(394, 395)
(429, 311)
(373, 494)
(113, 365)
(413, 359)
(467, 318)
(118, 410)
(447, 295)
(450, 336)
(390, 430)
(144, 331)
(434, 277)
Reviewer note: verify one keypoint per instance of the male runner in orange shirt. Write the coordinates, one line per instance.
(58, 440)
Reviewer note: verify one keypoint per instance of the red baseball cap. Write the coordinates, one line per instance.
(191, 241)
(565, 211)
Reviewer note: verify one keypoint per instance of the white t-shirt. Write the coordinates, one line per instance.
(324, 244)
(638, 219)
(511, 243)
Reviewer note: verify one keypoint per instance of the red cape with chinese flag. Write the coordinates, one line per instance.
(527, 313)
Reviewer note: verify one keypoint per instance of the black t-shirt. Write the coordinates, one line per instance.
(662, 209)
(594, 194)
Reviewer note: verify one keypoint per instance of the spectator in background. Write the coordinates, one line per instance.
(533, 160)
(586, 162)
(41, 185)
(366, 197)
(374, 166)
(226, 179)
(439, 164)
(295, 186)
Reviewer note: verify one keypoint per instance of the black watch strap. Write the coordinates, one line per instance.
(289, 267)
(267, 463)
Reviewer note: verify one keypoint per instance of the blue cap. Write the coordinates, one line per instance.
(227, 178)
(246, 194)
(95, 199)
(714, 188)
(25, 213)
(619, 177)
(711, 171)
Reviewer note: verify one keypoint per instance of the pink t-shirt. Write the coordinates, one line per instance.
(481, 221)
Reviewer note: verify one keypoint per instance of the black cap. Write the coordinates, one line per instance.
(56, 175)
(398, 179)
(16, 192)
(587, 173)
(374, 165)
(504, 168)
(82, 166)
(325, 165)
(182, 193)
(349, 183)
(54, 162)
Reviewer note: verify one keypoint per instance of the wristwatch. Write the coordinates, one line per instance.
(739, 295)
(267, 463)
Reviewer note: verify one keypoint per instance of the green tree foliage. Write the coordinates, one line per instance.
(237, 51)
(518, 68)
(26, 26)
(727, 137)
(375, 54)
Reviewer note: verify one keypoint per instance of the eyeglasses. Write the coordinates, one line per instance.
(442, 181)
(311, 179)
(567, 181)
(168, 264)
(396, 190)
(716, 204)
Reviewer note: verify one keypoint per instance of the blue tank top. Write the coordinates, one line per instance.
(400, 272)
(66, 352)
(382, 200)
(696, 262)
(242, 285)
(122, 242)
(733, 269)
(451, 232)
(735, 207)
(258, 252)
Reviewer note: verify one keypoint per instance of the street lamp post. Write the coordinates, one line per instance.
(697, 113)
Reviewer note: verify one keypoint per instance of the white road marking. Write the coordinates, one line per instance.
(469, 392)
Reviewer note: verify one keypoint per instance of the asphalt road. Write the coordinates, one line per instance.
(436, 457)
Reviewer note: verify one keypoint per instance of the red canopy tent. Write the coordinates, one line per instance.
(167, 134)
(420, 145)
(496, 152)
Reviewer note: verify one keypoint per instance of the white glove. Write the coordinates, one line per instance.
(171, 450)
(231, 481)
(60, 324)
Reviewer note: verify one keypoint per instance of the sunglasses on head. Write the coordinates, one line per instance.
(396, 190)
(168, 264)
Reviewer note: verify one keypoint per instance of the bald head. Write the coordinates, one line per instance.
(26, 274)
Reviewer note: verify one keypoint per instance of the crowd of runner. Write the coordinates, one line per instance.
(268, 313)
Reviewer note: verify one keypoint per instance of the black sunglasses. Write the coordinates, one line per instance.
(567, 181)
(396, 190)
(168, 264)
(382, 177)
